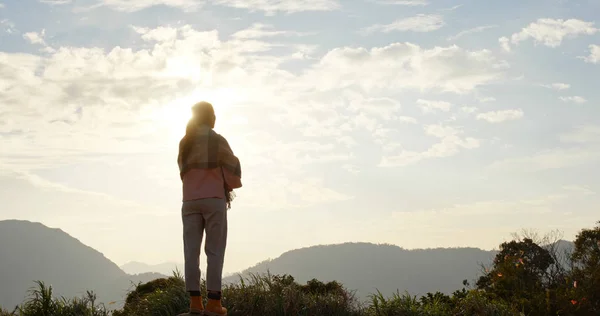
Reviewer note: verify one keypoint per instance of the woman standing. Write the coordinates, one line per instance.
(209, 171)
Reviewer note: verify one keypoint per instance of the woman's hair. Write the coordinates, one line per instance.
(202, 114)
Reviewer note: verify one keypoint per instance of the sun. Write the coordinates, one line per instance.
(175, 115)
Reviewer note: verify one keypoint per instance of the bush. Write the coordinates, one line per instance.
(42, 303)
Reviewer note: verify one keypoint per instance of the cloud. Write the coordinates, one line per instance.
(35, 38)
(557, 86)
(478, 29)
(432, 106)
(159, 34)
(450, 143)
(583, 134)
(594, 57)
(268, 6)
(132, 6)
(501, 116)
(259, 30)
(505, 43)
(418, 23)
(8, 26)
(585, 190)
(402, 66)
(403, 2)
(80, 101)
(487, 99)
(574, 99)
(287, 6)
(551, 32)
(547, 160)
(469, 109)
(56, 2)
(1, 5)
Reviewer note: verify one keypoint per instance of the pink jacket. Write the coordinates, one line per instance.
(208, 183)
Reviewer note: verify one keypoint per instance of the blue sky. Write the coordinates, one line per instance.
(419, 123)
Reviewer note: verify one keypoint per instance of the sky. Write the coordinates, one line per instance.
(419, 123)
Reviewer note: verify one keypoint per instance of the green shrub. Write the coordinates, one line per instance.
(42, 303)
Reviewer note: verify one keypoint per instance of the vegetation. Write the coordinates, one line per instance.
(525, 279)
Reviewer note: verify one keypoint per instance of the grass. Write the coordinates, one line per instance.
(264, 295)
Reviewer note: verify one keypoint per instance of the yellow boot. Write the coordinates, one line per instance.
(196, 307)
(214, 307)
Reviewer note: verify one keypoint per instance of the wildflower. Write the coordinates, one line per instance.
(574, 302)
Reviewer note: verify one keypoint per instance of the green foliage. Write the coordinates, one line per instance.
(42, 303)
(525, 280)
(519, 276)
(161, 297)
(586, 271)
(282, 295)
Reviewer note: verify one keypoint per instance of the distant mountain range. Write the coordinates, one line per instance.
(31, 251)
(366, 268)
(166, 268)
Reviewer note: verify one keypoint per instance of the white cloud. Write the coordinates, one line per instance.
(594, 56)
(469, 109)
(575, 99)
(35, 38)
(403, 2)
(478, 29)
(501, 116)
(132, 6)
(450, 143)
(548, 159)
(487, 99)
(159, 34)
(259, 30)
(432, 106)
(56, 2)
(505, 43)
(287, 6)
(585, 190)
(582, 134)
(418, 23)
(558, 86)
(8, 26)
(268, 6)
(1, 5)
(551, 32)
(406, 66)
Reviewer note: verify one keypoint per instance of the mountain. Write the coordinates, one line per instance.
(366, 267)
(166, 268)
(31, 251)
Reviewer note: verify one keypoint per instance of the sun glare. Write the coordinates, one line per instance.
(176, 114)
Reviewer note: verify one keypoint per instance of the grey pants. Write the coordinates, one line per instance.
(208, 215)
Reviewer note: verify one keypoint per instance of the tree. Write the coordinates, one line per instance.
(586, 270)
(520, 275)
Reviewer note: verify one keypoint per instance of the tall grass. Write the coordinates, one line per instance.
(41, 302)
(267, 295)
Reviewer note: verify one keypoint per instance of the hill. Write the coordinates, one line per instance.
(165, 268)
(31, 251)
(366, 267)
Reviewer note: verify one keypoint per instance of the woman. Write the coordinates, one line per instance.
(209, 171)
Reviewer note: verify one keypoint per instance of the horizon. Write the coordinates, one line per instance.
(421, 124)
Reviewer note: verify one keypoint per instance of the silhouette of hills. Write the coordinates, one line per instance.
(366, 267)
(31, 251)
(165, 268)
